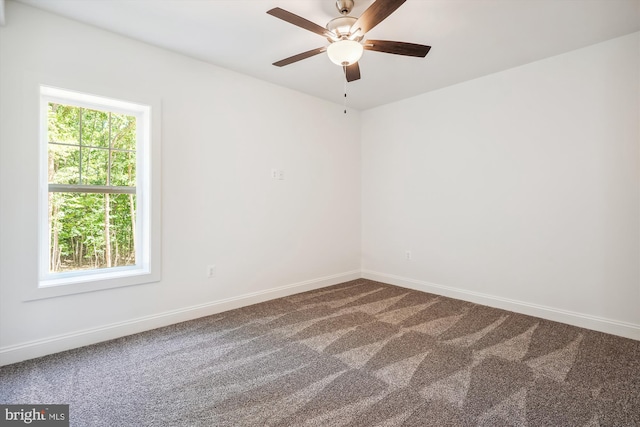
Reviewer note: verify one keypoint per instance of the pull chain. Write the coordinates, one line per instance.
(345, 93)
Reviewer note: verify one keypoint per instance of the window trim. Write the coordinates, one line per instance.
(147, 267)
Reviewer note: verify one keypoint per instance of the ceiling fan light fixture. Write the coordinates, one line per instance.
(345, 52)
(346, 36)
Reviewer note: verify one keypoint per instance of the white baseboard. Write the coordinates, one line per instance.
(609, 326)
(55, 344)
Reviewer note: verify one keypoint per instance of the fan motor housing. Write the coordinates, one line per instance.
(341, 27)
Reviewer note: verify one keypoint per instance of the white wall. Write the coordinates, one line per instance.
(518, 190)
(222, 133)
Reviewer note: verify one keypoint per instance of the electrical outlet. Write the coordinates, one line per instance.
(211, 271)
(277, 174)
(408, 256)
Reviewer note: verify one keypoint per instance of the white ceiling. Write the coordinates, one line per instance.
(469, 38)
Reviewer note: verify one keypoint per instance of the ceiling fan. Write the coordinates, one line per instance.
(346, 36)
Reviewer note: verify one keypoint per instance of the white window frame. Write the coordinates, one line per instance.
(147, 267)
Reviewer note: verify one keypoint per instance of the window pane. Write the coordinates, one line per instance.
(123, 220)
(81, 238)
(94, 166)
(95, 128)
(123, 131)
(63, 124)
(64, 164)
(123, 168)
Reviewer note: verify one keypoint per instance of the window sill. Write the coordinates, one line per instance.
(91, 282)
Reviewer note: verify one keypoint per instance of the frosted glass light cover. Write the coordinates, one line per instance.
(345, 52)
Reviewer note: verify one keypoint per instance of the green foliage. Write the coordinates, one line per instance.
(91, 147)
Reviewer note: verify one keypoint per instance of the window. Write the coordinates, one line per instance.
(95, 210)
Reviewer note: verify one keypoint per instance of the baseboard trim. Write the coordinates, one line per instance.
(609, 326)
(56, 344)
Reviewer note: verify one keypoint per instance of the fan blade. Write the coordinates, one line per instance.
(299, 57)
(352, 72)
(375, 14)
(299, 21)
(397, 48)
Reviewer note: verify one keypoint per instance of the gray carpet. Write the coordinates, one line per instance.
(361, 353)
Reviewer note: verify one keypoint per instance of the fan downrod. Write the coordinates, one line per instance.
(344, 6)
